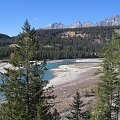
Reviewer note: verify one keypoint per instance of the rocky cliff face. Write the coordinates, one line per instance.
(113, 21)
(54, 26)
(76, 25)
(87, 24)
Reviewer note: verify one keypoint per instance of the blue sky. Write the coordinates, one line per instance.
(13, 13)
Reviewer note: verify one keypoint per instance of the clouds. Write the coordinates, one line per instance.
(36, 19)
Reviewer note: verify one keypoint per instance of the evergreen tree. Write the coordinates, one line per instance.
(76, 113)
(107, 94)
(24, 88)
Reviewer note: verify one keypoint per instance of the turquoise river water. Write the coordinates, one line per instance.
(48, 74)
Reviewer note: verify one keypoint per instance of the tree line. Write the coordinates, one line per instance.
(61, 44)
(107, 101)
(85, 43)
(5, 41)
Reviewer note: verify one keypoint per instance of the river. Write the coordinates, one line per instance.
(48, 74)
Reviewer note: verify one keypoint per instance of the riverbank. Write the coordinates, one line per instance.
(79, 75)
(71, 78)
(75, 72)
(5, 65)
(8, 65)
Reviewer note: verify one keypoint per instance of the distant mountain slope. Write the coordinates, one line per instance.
(113, 21)
(54, 26)
(5, 41)
(76, 25)
(3, 36)
(65, 43)
(74, 42)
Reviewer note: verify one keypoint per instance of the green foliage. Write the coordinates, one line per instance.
(76, 113)
(87, 42)
(54, 44)
(26, 46)
(5, 41)
(107, 99)
(26, 98)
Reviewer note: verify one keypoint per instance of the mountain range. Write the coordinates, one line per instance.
(113, 21)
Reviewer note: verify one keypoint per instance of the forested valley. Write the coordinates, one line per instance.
(64, 43)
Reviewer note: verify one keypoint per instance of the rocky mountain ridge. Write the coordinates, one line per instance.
(112, 21)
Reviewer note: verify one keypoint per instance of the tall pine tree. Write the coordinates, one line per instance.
(26, 98)
(107, 104)
(76, 113)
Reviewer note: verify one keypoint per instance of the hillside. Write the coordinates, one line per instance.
(5, 41)
(74, 42)
(65, 43)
